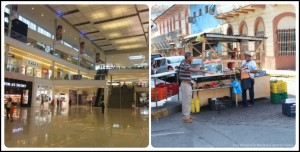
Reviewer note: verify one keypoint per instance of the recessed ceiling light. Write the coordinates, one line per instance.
(32, 8)
(42, 14)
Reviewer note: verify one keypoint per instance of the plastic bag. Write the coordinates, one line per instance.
(236, 87)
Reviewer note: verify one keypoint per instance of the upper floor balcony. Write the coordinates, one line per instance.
(46, 49)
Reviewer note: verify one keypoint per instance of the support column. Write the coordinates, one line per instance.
(9, 22)
(79, 56)
(106, 96)
(54, 40)
(52, 78)
(105, 62)
(203, 49)
(7, 48)
(111, 81)
(53, 67)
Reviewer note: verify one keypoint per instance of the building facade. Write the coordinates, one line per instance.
(172, 26)
(277, 22)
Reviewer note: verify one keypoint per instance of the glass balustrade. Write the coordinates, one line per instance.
(47, 48)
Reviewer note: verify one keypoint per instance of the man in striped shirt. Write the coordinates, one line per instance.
(185, 70)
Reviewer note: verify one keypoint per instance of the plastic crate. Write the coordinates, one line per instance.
(220, 103)
(158, 93)
(289, 109)
(278, 97)
(278, 86)
(172, 88)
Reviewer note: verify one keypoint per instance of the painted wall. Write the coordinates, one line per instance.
(268, 14)
(203, 22)
(174, 19)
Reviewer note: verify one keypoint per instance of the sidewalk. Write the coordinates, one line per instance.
(263, 125)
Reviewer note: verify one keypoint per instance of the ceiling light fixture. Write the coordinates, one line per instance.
(136, 57)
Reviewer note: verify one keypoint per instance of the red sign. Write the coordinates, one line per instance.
(45, 71)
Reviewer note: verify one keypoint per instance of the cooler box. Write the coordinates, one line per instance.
(289, 107)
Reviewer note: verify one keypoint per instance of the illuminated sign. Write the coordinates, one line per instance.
(32, 63)
(18, 85)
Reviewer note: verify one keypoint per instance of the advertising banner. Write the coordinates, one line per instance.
(58, 33)
(82, 49)
(97, 57)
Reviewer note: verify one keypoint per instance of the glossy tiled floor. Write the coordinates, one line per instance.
(79, 126)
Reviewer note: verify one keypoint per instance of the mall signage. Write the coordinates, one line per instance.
(17, 85)
(32, 63)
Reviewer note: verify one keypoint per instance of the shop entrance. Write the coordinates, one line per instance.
(20, 92)
(142, 99)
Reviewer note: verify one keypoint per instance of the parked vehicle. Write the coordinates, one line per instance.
(165, 64)
(154, 56)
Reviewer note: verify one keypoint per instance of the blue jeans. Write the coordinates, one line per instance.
(251, 93)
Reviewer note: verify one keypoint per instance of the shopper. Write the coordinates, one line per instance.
(57, 102)
(7, 107)
(10, 109)
(185, 70)
(248, 66)
(70, 102)
(42, 103)
(102, 106)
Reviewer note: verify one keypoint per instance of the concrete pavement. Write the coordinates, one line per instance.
(262, 125)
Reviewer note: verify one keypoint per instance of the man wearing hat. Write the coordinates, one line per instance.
(248, 66)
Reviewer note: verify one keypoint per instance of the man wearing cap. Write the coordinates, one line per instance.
(248, 66)
(185, 70)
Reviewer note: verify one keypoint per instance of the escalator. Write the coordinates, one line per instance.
(100, 75)
(121, 97)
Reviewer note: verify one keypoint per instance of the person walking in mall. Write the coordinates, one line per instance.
(248, 66)
(70, 102)
(7, 107)
(57, 102)
(185, 70)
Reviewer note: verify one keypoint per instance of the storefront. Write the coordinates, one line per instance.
(20, 92)
(44, 92)
(31, 68)
(13, 64)
(142, 99)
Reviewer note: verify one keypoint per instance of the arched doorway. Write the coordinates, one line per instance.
(243, 31)
(284, 41)
(230, 32)
(259, 31)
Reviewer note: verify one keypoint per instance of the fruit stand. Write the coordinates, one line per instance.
(218, 84)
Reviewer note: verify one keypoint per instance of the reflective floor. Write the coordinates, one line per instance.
(78, 126)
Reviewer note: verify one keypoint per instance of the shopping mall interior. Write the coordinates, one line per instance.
(77, 75)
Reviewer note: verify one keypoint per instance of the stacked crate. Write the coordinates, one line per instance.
(159, 93)
(278, 91)
(172, 88)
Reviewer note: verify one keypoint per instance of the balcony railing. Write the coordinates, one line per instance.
(42, 47)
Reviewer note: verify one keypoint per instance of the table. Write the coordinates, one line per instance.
(209, 91)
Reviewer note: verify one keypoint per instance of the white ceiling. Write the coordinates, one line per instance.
(114, 28)
(110, 27)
